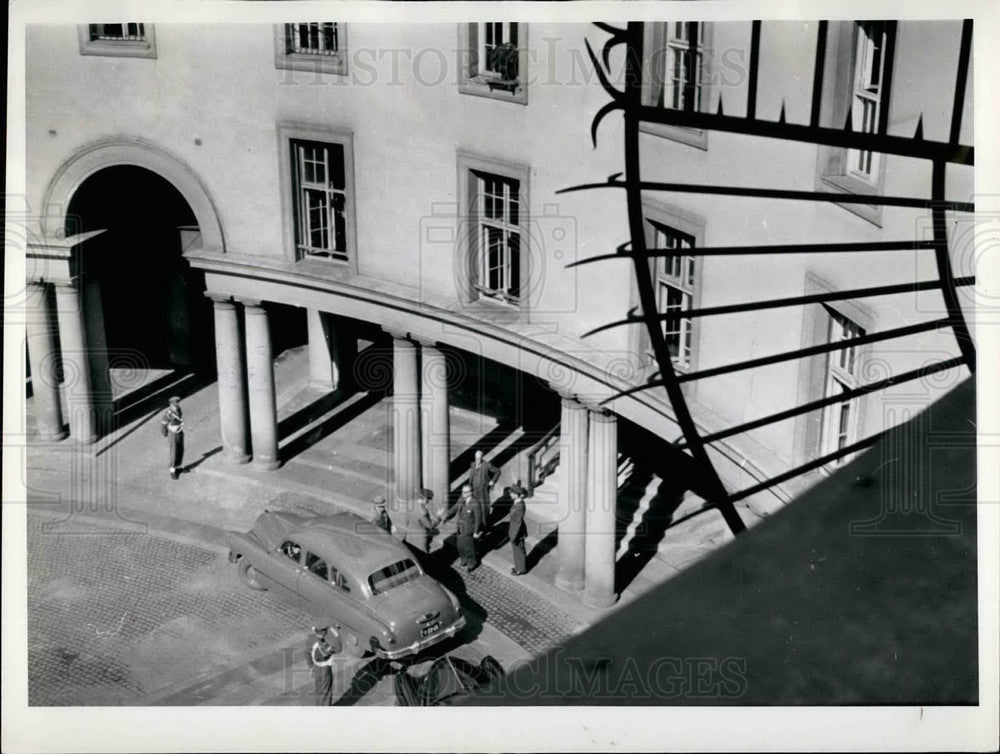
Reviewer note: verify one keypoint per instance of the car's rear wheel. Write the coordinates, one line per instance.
(249, 575)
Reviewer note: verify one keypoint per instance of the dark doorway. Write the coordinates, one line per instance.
(152, 301)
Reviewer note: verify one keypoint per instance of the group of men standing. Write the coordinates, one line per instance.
(472, 513)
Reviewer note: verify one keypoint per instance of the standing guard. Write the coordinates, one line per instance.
(172, 427)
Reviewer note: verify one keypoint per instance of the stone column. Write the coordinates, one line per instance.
(233, 409)
(320, 357)
(602, 500)
(572, 494)
(260, 384)
(76, 364)
(434, 425)
(344, 351)
(405, 429)
(44, 364)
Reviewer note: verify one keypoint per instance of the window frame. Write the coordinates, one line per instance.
(477, 82)
(657, 39)
(833, 172)
(845, 378)
(656, 213)
(469, 249)
(289, 134)
(301, 61)
(810, 429)
(124, 48)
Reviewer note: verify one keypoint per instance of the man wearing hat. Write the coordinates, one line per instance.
(172, 427)
(517, 530)
(324, 645)
(426, 521)
(465, 536)
(482, 476)
(381, 517)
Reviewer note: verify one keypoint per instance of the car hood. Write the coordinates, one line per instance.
(410, 606)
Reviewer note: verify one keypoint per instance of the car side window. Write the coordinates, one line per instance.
(315, 564)
(338, 579)
(291, 550)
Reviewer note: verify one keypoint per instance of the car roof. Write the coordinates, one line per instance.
(346, 537)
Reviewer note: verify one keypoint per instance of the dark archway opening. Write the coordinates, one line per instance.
(152, 301)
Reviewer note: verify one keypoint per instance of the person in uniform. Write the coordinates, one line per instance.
(517, 531)
(426, 521)
(172, 428)
(381, 517)
(465, 538)
(482, 476)
(320, 655)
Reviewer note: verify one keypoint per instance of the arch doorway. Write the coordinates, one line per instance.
(152, 301)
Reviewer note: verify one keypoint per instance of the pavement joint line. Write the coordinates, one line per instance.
(337, 469)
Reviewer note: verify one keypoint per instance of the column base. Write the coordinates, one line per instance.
(236, 457)
(52, 437)
(568, 584)
(600, 601)
(266, 464)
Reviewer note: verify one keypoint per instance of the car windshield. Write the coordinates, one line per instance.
(393, 575)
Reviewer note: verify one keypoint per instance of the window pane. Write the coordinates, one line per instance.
(317, 565)
(514, 257)
(340, 223)
(336, 164)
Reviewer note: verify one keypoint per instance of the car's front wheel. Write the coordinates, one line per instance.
(249, 575)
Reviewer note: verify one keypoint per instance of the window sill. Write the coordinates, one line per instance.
(125, 49)
(846, 184)
(332, 64)
(691, 137)
(504, 91)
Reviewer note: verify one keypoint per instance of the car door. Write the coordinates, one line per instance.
(287, 566)
(327, 592)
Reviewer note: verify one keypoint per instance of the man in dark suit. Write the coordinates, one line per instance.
(426, 521)
(465, 538)
(517, 530)
(482, 476)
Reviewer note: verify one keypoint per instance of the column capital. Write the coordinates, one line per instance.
(399, 334)
(73, 284)
(221, 300)
(600, 414)
(570, 400)
(251, 305)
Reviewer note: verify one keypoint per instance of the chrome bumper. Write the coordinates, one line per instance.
(420, 646)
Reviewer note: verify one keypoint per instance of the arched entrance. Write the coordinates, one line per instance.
(152, 302)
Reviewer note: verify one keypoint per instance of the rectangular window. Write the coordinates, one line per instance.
(126, 39)
(492, 60)
(859, 98)
(394, 575)
(866, 103)
(675, 283)
(683, 65)
(318, 38)
(676, 74)
(840, 419)
(320, 194)
(317, 46)
(128, 32)
(499, 237)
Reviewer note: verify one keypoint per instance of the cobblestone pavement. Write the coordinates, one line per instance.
(114, 617)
